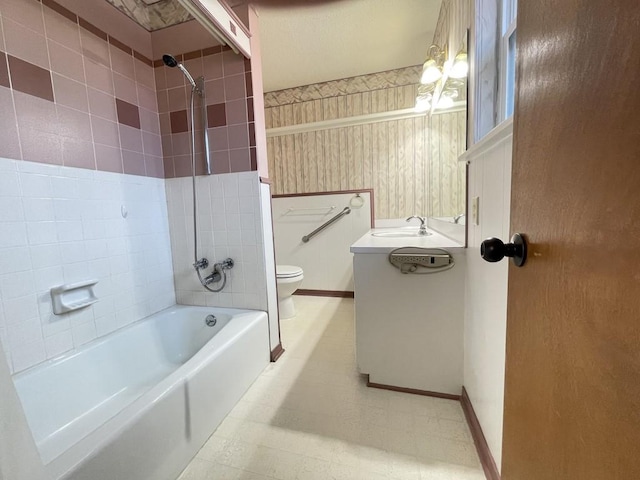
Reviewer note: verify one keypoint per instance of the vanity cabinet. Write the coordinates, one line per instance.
(409, 327)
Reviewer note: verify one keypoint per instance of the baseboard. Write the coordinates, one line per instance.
(448, 396)
(277, 352)
(486, 459)
(324, 293)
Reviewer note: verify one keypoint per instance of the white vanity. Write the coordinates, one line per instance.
(409, 326)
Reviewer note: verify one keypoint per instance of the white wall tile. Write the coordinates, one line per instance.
(65, 226)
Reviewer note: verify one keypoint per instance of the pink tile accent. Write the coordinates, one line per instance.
(182, 165)
(70, 93)
(167, 148)
(174, 77)
(240, 160)
(125, 89)
(234, 87)
(28, 14)
(62, 30)
(215, 91)
(98, 76)
(232, 63)
(40, 146)
(212, 66)
(236, 112)
(4, 70)
(9, 142)
(167, 164)
(152, 144)
(149, 121)
(122, 62)
(73, 123)
(195, 67)
(25, 44)
(147, 98)
(2, 46)
(66, 62)
(165, 123)
(238, 136)
(163, 101)
(218, 139)
(36, 114)
(78, 153)
(133, 163)
(220, 162)
(145, 75)
(131, 138)
(102, 104)
(108, 159)
(154, 166)
(181, 143)
(105, 132)
(177, 99)
(29, 78)
(94, 48)
(161, 79)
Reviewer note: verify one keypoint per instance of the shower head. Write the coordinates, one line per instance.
(170, 61)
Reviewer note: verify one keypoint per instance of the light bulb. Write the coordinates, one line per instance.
(422, 104)
(460, 67)
(431, 73)
(445, 102)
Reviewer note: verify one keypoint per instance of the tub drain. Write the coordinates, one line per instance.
(211, 320)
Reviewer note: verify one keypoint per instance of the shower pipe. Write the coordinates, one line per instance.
(197, 87)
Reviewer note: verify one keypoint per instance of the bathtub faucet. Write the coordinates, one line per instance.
(423, 226)
(457, 218)
(202, 263)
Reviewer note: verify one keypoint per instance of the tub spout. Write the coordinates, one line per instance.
(213, 278)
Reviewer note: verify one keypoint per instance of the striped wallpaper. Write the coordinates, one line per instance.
(411, 164)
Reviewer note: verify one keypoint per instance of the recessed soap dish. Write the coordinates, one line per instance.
(73, 296)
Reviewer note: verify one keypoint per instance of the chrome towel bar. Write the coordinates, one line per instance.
(345, 211)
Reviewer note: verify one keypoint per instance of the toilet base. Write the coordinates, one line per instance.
(287, 307)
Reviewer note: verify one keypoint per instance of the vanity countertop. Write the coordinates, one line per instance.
(370, 244)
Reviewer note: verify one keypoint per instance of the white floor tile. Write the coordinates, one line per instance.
(311, 416)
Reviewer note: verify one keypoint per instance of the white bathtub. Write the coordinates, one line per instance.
(139, 403)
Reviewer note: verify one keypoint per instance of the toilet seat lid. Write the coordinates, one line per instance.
(287, 271)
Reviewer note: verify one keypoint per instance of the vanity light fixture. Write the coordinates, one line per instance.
(424, 98)
(433, 66)
(460, 67)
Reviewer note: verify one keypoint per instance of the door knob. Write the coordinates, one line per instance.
(493, 249)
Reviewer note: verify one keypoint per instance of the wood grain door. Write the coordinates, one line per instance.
(572, 394)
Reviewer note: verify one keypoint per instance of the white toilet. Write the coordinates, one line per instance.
(288, 278)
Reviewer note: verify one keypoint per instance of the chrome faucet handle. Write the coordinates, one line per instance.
(423, 224)
(423, 220)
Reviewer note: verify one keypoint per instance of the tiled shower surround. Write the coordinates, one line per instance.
(81, 139)
(61, 225)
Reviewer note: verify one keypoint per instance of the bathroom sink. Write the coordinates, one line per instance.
(399, 234)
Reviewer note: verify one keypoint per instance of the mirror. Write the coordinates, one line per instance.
(360, 129)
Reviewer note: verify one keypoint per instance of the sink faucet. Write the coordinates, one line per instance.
(457, 218)
(423, 226)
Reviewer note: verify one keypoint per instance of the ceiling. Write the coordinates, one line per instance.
(153, 14)
(341, 39)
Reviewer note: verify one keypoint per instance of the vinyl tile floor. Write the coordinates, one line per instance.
(311, 416)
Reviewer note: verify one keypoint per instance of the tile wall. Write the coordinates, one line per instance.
(229, 103)
(229, 225)
(73, 95)
(62, 225)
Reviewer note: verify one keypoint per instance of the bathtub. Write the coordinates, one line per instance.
(139, 403)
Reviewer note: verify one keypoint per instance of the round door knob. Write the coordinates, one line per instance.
(493, 250)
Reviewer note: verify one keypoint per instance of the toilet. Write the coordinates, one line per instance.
(288, 278)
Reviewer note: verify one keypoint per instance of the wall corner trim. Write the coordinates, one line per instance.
(277, 352)
(486, 459)
(489, 141)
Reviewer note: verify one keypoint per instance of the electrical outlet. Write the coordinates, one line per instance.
(475, 210)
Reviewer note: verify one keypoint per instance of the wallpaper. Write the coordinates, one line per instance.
(411, 164)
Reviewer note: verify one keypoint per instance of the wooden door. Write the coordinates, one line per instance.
(572, 394)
